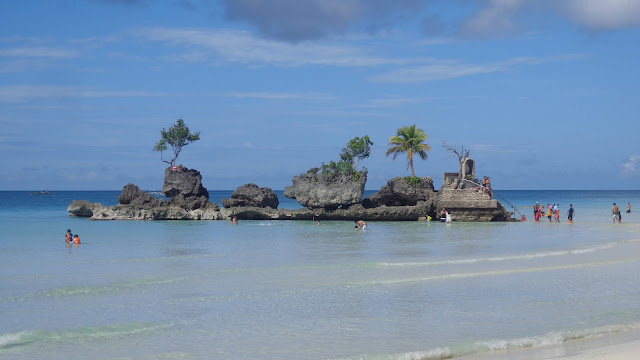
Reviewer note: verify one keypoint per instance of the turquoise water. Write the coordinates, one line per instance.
(294, 290)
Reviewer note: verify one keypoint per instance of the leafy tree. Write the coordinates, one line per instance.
(357, 148)
(177, 136)
(410, 140)
(463, 155)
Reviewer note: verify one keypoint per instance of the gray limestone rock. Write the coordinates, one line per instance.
(253, 196)
(312, 191)
(183, 181)
(399, 192)
(83, 208)
(132, 195)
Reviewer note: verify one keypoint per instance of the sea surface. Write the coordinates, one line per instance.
(295, 290)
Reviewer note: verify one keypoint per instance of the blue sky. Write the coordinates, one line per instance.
(544, 93)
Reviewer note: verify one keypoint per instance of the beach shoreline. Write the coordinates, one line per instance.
(620, 346)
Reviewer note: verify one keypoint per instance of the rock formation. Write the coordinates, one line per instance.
(184, 189)
(188, 200)
(399, 192)
(312, 191)
(401, 199)
(252, 196)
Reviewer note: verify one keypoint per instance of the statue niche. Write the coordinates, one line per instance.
(469, 169)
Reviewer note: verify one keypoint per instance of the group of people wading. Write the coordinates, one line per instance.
(552, 212)
(69, 238)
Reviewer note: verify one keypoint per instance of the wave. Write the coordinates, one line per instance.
(89, 290)
(78, 335)
(110, 288)
(487, 346)
(537, 255)
(491, 273)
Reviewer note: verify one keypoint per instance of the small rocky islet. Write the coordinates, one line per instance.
(401, 199)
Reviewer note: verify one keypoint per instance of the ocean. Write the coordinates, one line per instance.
(295, 290)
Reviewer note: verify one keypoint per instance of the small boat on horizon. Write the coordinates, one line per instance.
(43, 192)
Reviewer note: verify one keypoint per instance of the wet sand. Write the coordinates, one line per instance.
(615, 347)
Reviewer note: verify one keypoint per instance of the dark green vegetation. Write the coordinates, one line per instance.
(357, 148)
(412, 180)
(177, 136)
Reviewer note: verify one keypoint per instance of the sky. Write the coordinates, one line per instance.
(544, 93)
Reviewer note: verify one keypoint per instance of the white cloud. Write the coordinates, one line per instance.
(631, 165)
(39, 52)
(604, 14)
(494, 18)
(281, 96)
(25, 93)
(443, 70)
(198, 45)
(505, 16)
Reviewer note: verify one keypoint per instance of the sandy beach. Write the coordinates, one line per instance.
(615, 347)
(626, 351)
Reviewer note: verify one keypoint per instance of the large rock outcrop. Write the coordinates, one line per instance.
(184, 189)
(252, 196)
(132, 195)
(183, 181)
(312, 191)
(83, 208)
(399, 192)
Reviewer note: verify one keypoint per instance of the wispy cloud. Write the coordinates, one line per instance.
(236, 46)
(449, 69)
(26, 93)
(281, 96)
(503, 17)
(39, 52)
(631, 165)
(604, 14)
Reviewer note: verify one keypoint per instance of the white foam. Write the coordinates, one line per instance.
(12, 338)
(554, 337)
(434, 354)
(537, 255)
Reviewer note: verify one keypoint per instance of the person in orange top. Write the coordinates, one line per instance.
(68, 238)
(76, 239)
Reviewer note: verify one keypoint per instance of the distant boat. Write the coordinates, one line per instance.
(43, 192)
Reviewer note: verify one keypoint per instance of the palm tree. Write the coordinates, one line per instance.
(409, 140)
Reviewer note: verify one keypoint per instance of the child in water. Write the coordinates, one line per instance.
(68, 238)
(76, 239)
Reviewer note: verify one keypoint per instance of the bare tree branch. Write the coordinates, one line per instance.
(462, 154)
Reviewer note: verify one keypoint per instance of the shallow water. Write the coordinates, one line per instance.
(294, 290)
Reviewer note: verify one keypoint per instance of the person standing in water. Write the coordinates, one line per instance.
(570, 213)
(361, 225)
(68, 238)
(628, 208)
(615, 211)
